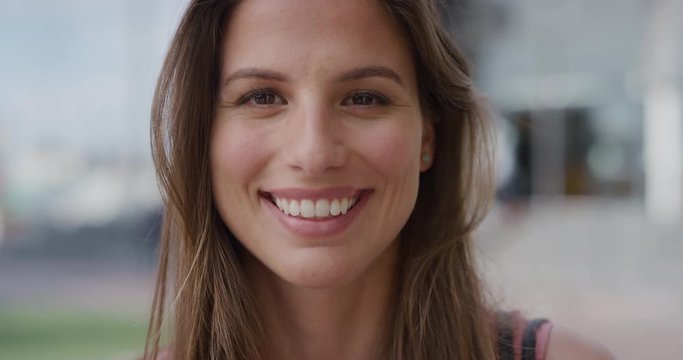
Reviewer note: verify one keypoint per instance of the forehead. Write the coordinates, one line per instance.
(313, 35)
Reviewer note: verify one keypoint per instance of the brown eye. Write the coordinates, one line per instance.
(366, 98)
(262, 97)
(362, 99)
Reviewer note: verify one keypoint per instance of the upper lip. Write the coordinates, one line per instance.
(307, 193)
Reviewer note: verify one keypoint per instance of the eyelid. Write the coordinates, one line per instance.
(244, 99)
(382, 99)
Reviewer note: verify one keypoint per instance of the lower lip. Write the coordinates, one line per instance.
(317, 228)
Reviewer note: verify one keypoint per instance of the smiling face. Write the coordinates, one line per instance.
(317, 139)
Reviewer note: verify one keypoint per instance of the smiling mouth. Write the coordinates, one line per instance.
(321, 208)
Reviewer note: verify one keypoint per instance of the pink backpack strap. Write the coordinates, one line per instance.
(521, 339)
(535, 338)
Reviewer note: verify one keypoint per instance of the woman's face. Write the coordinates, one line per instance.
(317, 139)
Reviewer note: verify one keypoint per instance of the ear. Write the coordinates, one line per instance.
(428, 140)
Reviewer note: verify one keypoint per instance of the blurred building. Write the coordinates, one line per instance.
(589, 96)
(76, 85)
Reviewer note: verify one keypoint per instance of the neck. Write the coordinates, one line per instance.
(346, 322)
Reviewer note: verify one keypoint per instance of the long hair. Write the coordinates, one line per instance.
(440, 309)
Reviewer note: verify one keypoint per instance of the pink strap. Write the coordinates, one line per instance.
(542, 339)
(542, 336)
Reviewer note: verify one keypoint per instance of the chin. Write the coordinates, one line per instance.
(319, 268)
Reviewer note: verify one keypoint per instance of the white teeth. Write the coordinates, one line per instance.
(282, 204)
(344, 206)
(293, 208)
(321, 208)
(307, 208)
(334, 208)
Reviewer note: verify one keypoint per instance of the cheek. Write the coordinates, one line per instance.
(393, 150)
(236, 153)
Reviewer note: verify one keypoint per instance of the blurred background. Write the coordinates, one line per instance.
(587, 97)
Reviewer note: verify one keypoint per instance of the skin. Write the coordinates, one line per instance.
(565, 344)
(289, 116)
(317, 126)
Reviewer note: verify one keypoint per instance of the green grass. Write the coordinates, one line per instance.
(53, 334)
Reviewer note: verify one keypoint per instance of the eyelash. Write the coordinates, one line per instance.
(379, 99)
(249, 96)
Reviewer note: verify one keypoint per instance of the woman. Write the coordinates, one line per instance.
(323, 165)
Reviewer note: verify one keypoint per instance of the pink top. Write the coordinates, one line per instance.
(542, 336)
(542, 339)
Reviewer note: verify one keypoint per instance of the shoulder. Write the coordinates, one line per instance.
(522, 338)
(565, 344)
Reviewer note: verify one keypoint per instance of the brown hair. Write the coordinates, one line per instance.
(440, 309)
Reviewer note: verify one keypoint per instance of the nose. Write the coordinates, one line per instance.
(315, 143)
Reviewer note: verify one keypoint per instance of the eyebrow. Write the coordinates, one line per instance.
(353, 75)
(370, 71)
(255, 73)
